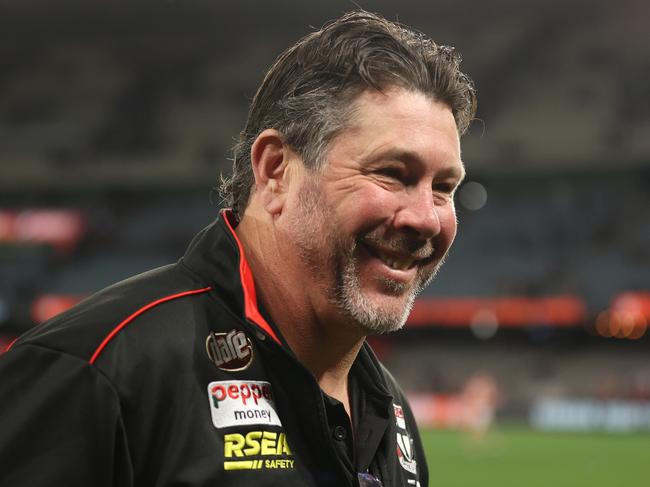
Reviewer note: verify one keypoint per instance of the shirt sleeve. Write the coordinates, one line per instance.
(60, 422)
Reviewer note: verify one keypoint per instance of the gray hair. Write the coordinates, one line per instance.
(308, 92)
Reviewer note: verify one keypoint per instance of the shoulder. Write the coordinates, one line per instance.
(385, 376)
(85, 331)
(401, 406)
(390, 385)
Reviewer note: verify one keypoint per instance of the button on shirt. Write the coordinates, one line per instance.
(356, 442)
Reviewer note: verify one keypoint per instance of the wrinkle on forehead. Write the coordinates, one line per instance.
(405, 125)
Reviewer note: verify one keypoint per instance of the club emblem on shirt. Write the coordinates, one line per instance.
(405, 452)
(231, 351)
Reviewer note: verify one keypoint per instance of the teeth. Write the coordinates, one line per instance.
(397, 263)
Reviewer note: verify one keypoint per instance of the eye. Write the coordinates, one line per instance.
(390, 172)
(444, 187)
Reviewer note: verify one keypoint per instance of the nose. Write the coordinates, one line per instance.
(418, 213)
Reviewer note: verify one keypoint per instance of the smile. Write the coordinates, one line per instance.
(397, 262)
(400, 263)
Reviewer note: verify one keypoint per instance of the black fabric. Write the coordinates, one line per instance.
(341, 433)
(149, 410)
(356, 441)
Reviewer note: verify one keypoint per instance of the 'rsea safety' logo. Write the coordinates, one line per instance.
(231, 351)
(242, 402)
(252, 451)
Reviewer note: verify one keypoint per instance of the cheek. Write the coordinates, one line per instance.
(448, 224)
(365, 209)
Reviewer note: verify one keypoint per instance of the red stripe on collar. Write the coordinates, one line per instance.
(251, 310)
(11, 344)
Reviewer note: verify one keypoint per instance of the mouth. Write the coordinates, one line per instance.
(394, 260)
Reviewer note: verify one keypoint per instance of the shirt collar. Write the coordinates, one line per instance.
(216, 254)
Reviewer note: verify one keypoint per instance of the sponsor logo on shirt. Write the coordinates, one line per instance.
(257, 450)
(399, 416)
(242, 403)
(405, 450)
(231, 351)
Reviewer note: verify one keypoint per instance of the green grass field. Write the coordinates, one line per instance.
(519, 457)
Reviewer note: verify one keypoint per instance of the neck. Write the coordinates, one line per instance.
(322, 342)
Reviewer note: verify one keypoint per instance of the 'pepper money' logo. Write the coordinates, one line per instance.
(242, 403)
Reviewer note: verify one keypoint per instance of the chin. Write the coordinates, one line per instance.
(375, 306)
(378, 314)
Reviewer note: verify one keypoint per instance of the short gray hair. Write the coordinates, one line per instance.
(307, 93)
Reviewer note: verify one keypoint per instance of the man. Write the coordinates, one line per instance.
(245, 363)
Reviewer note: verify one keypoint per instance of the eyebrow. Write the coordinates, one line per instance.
(410, 157)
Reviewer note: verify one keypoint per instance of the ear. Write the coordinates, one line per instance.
(269, 158)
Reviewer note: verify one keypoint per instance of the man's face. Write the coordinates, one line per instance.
(374, 224)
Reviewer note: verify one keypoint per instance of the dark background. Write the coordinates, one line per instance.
(116, 119)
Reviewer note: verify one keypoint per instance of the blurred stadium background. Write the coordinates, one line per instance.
(528, 358)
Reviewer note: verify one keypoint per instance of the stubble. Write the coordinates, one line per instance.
(331, 258)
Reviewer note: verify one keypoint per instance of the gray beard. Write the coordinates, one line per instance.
(348, 297)
(346, 293)
(372, 320)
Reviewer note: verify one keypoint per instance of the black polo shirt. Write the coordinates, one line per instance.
(357, 441)
(125, 390)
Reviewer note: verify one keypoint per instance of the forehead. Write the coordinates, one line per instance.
(400, 121)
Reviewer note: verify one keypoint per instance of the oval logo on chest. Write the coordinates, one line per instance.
(231, 351)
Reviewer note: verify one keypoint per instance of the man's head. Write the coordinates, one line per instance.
(350, 159)
(373, 226)
(307, 93)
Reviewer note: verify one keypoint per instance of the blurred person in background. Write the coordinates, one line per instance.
(246, 362)
(480, 397)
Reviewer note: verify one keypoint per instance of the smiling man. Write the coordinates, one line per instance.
(342, 250)
(246, 362)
